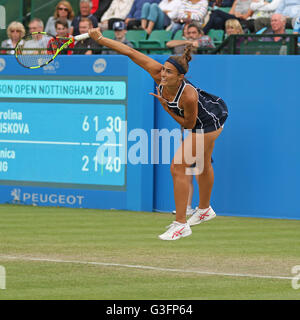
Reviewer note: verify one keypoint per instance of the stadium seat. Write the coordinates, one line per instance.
(157, 39)
(134, 36)
(108, 34)
(153, 47)
(289, 31)
(178, 35)
(225, 9)
(216, 35)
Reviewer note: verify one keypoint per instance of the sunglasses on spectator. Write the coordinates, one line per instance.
(63, 9)
(14, 30)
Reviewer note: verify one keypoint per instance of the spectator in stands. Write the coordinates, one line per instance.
(261, 9)
(189, 11)
(288, 8)
(85, 46)
(158, 16)
(240, 10)
(36, 25)
(85, 7)
(278, 24)
(184, 31)
(117, 11)
(133, 19)
(120, 35)
(296, 29)
(15, 31)
(233, 26)
(195, 37)
(102, 8)
(63, 12)
(62, 30)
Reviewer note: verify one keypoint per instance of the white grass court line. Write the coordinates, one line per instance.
(105, 264)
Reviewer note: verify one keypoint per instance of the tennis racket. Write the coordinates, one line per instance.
(38, 49)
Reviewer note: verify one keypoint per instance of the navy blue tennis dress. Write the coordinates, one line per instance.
(212, 110)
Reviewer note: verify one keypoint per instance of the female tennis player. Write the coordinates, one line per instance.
(203, 113)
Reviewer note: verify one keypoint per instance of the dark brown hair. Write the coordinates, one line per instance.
(185, 58)
(64, 23)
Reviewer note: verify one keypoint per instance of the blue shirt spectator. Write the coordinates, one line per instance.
(297, 28)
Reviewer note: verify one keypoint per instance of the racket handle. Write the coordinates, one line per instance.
(82, 37)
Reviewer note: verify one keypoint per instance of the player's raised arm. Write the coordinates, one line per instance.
(147, 63)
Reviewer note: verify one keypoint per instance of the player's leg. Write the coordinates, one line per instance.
(181, 183)
(182, 174)
(206, 181)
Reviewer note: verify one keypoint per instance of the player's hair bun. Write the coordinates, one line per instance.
(187, 54)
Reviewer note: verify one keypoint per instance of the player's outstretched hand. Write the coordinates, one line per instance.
(95, 33)
(162, 100)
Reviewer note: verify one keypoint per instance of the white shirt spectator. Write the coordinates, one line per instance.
(262, 9)
(117, 9)
(196, 11)
(171, 6)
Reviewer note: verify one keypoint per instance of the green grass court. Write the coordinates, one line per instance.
(60, 253)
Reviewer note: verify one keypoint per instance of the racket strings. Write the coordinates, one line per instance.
(36, 50)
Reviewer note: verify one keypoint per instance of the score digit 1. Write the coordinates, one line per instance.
(86, 124)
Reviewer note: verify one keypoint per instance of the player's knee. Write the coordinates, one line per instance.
(177, 169)
(207, 167)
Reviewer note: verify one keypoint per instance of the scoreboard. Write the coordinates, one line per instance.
(63, 132)
(66, 129)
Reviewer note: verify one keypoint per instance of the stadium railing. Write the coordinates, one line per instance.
(257, 44)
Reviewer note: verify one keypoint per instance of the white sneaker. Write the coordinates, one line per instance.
(200, 216)
(189, 211)
(176, 231)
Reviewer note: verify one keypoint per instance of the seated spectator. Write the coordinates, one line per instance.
(261, 9)
(195, 36)
(63, 12)
(288, 8)
(278, 23)
(117, 11)
(37, 41)
(158, 16)
(85, 46)
(297, 28)
(133, 19)
(233, 26)
(240, 10)
(36, 25)
(120, 35)
(102, 8)
(189, 11)
(62, 31)
(184, 34)
(85, 7)
(185, 31)
(15, 31)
